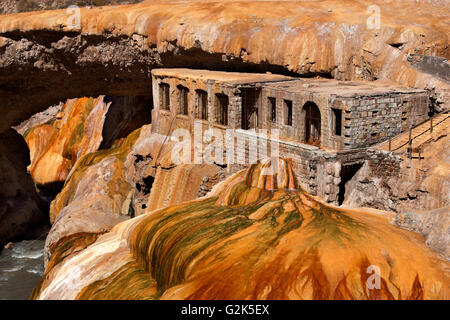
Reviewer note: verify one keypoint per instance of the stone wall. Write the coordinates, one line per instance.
(299, 99)
(383, 164)
(375, 184)
(366, 120)
(317, 171)
(373, 119)
(167, 120)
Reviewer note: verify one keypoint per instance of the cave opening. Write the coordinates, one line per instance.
(49, 191)
(125, 114)
(145, 186)
(347, 173)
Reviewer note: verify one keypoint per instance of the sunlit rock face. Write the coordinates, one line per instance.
(82, 126)
(256, 235)
(97, 182)
(56, 146)
(434, 225)
(109, 186)
(13, 6)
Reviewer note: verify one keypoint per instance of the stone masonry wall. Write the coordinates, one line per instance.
(383, 164)
(317, 171)
(366, 120)
(369, 120)
(166, 121)
(295, 131)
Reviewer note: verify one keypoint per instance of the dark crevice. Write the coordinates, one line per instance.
(42, 37)
(125, 115)
(196, 58)
(145, 186)
(347, 173)
(140, 158)
(398, 45)
(49, 191)
(223, 166)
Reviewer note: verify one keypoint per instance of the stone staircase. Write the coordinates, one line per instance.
(420, 135)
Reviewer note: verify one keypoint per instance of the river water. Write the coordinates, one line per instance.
(21, 268)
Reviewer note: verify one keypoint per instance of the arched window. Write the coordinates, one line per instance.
(312, 123)
(164, 96)
(202, 104)
(183, 93)
(222, 109)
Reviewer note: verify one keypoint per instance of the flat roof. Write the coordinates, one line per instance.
(342, 88)
(220, 76)
(289, 84)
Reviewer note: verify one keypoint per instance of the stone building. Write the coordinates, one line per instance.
(324, 125)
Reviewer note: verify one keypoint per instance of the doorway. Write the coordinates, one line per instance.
(347, 173)
(312, 123)
(250, 99)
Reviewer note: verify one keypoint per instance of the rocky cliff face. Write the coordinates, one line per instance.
(82, 126)
(279, 243)
(113, 49)
(422, 184)
(14, 6)
(56, 146)
(434, 225)
(22, 211)
(57, 138)
(133, 176)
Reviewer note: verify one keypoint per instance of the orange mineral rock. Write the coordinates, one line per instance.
(55, 147)
(249, 239)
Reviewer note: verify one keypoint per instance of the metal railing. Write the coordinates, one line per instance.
(409, 143)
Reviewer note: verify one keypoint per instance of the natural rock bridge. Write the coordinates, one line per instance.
(44, 60)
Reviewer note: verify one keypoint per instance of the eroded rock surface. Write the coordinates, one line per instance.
(48, 115)
(13, 6)
(56, 146)
(421, 184)
(81, 127)
(110, 186)
(253, 237)
(434, 225)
